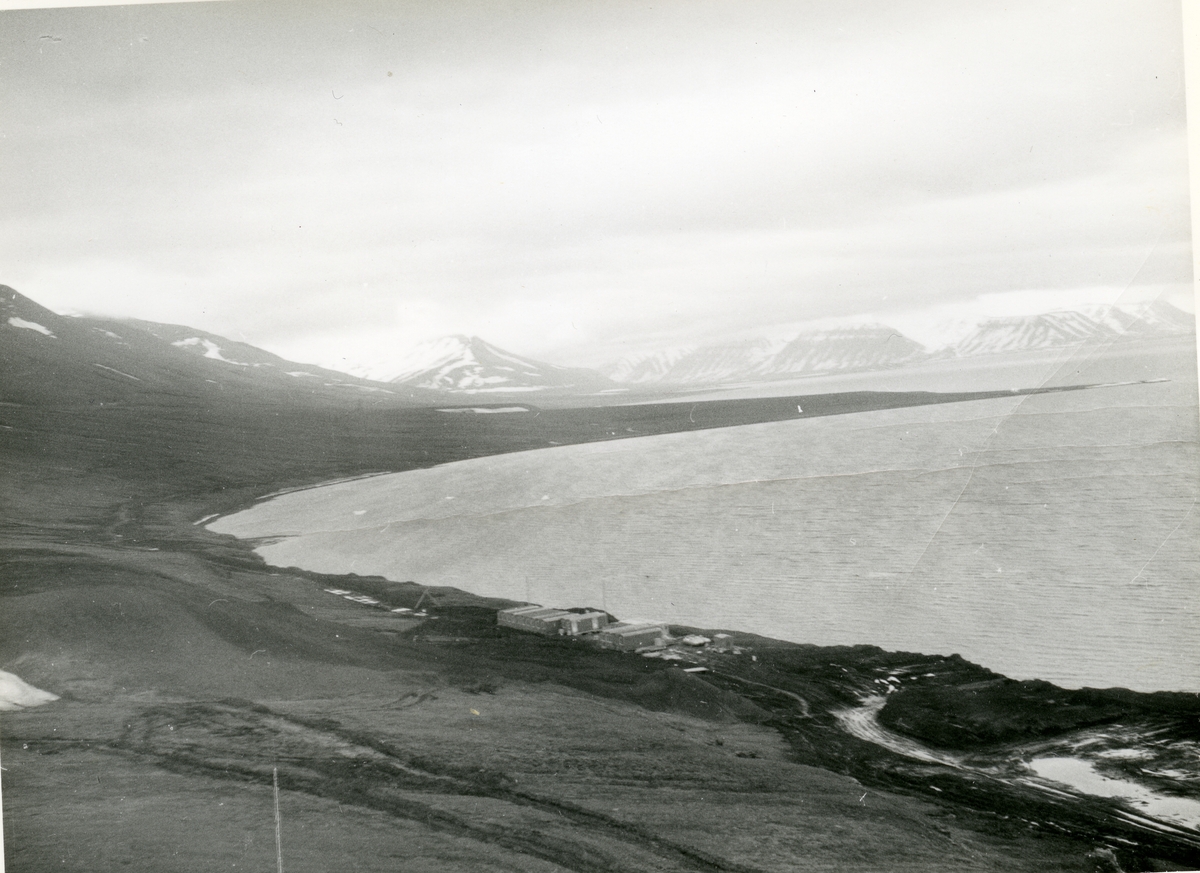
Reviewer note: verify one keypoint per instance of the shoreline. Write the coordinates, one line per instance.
(1005, 765)
(243, 598)
(264, 542)
(1006, 761)
(820, 508)
(187, 669)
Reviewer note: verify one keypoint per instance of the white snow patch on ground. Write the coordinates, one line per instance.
(30, 325)
(483, 410)
(1131, 754)
(211, 349)
(499, 388)
(359, 387)
(16, 693)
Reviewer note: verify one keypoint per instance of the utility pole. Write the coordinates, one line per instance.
(278, 843)
(1, 828)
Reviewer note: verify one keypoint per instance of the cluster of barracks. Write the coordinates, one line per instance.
(626, 636)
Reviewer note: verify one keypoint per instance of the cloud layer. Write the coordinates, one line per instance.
(577, 181)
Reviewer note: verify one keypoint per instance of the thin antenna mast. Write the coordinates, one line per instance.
(421, 599)
(278, 843)
(1, 828)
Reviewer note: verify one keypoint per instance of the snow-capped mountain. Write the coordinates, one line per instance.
(471, 366)
(865, 347)
(1020, 333)
(856, 347)
(1155, 318)
(876, 346)
(726, 362)
(1052, 330)
(648, 367)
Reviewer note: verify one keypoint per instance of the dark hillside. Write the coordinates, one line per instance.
(995, 710)
(49, 359)
(188, 671)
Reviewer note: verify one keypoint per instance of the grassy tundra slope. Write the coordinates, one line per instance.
(187, 670)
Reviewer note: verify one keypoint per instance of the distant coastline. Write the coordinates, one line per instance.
(819, 514)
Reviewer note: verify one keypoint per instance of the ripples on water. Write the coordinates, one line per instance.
(1053, 537)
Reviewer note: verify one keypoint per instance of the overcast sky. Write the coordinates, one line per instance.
(580, 180)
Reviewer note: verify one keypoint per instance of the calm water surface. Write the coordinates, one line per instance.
(1052, 537)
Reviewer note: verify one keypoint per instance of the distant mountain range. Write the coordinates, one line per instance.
(864, 347)
(91, 360)
(469, 365)
(1064, 329)
(878, 347)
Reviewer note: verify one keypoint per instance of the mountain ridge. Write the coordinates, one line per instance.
(874, 346)
(86, 360)
(102, 356)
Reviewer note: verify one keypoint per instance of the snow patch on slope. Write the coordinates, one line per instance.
(211, 349)
(30, 325)
(16, 693)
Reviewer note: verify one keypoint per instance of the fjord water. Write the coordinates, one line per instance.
(1052, 537)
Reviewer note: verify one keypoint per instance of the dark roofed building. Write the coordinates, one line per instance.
(575, 623)
(630, 636)
(534, 619)
(551, 622)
